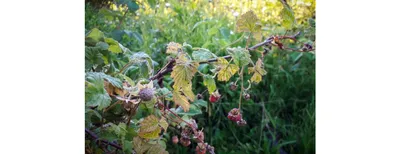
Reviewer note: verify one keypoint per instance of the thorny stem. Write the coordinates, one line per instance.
(241, 87)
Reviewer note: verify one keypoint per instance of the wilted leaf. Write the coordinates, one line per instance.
(258, 71)
(241, 56)
(209, 82)
(173, 48)
(203, 54)
(227, 70)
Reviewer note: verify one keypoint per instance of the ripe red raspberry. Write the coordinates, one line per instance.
(234, 115)
(214, 97)
(175, 139)
(201, 148)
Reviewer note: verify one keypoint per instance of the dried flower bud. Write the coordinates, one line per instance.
(199, 96)
(246, 96)
(242, 122)
(232, 86)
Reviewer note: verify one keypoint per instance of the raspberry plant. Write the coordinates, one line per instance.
(130, 110)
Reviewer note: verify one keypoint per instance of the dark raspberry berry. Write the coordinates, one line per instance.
(246, 96)
(232, 86)
(201, 148)
(146, 94)
(175, 139)
(199, 96)
(185, 141)
(214, 97)
(234, 115)
(242, 122)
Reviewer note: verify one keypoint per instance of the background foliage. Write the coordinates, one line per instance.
(281, 112)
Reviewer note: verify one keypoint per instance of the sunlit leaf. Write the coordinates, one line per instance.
(209, 82)
(226, 70)
(94, 36)
(151, 135)
(287, 15)
(248, 22)
(114, 46)
(258, 71)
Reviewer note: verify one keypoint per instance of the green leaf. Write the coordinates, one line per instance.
(102, 45)
(127, 146)
(95, 94)
(202, 54)
(114, 46)
(94, 36)
(119, 130)
(209, 82)
(193, 110)
(287, 15)
(165, 92)
(200, 102)
(241, 56)
(152, 3)
(114, 81)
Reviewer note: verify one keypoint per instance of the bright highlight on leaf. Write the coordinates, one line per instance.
(258, 71)
(249, 22)
(287, 15)
(227, 70)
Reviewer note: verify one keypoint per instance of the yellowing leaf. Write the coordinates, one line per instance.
(287, 15)
(140, 146)
(149, 124)
(258, 71)
(248, 22)
(173, 48)
(151, 135)
(227, 70)
(183, 72)
(187, 91)
(163, 123)
(181, 100)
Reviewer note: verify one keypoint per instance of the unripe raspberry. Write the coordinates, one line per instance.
(232, 86)
(175, 139)
(214, 97)
(146, 94)
(234, 115)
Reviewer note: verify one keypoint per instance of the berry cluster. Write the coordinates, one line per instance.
(235, 116)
